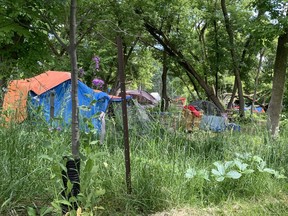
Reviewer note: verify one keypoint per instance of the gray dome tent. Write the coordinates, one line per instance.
(207, 107)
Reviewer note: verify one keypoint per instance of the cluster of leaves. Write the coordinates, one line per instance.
(243, 164)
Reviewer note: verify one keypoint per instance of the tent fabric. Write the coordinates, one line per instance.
(114, 98)
(142, 97)
(213, 123)
(208, 107)
(91, 104)
(38, 89)
(15, 99)
(193, 110)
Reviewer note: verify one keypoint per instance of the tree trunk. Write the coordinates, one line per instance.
(234, 58)
(217, 56)
(280, 65)
(191, 93)
(178, 56)
(204, 54)
(164, 98)
(234, 90)
(257, 79)
(74, 80)
(194, 85)
(2, 87)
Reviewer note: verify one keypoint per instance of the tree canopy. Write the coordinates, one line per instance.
(192, 33)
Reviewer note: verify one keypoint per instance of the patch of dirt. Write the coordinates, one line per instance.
(188, 212)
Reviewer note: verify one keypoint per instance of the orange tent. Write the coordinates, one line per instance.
(15, 100)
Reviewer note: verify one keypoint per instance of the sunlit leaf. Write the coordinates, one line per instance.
(220, 167)
(190, 173)
(216, 172)
(233, 174)
(220, 179)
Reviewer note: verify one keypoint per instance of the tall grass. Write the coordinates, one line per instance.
(31, 161)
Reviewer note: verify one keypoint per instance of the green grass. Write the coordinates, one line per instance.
(31, 160)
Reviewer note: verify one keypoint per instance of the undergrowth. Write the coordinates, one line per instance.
(32, 161)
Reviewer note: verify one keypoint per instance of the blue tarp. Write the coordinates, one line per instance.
(91, 104)
(213, 123)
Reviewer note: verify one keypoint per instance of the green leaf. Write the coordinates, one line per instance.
(64, 202)
(279, 176)
(220, 179)
(31, 211)
(220, 167)
(94, 142)
(89, 165)
(6, 201)
(233, 174)
(269, 170)
(241, 166)
(100, 192)
(216, 172)
(261, 166)
(56, 205)
(43, 156)
(64, 168)
(190, 173)
(45, 210)
(85, 108)
(69, 186)
(257, 159)
(228, 164)
(204, 174)
(72, 199)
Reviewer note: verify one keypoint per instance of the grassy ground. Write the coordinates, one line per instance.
(167, 169)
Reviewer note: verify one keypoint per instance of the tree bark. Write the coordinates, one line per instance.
(74, 79)
(280, 65)
(234, 57)
(164, 98)
(217, 56)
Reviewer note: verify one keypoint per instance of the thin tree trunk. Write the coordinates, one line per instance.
(234, 90)
(2, 86)
(204, 54)
(74, 80)
(191, 93)
(280, 65)
(234, 57)
(217, 57)
(164, 98)
(257, 79)
(194, 85)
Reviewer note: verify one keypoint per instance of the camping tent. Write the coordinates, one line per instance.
(207, 107)
(37, 91)
(143, 97)
(210, 118)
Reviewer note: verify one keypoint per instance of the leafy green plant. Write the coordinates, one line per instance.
(235, 169)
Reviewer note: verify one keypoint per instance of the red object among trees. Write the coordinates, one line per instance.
(193, 110)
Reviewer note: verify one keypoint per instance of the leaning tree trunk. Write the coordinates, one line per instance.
(234, 57)
(178, 56)
(280, 65)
